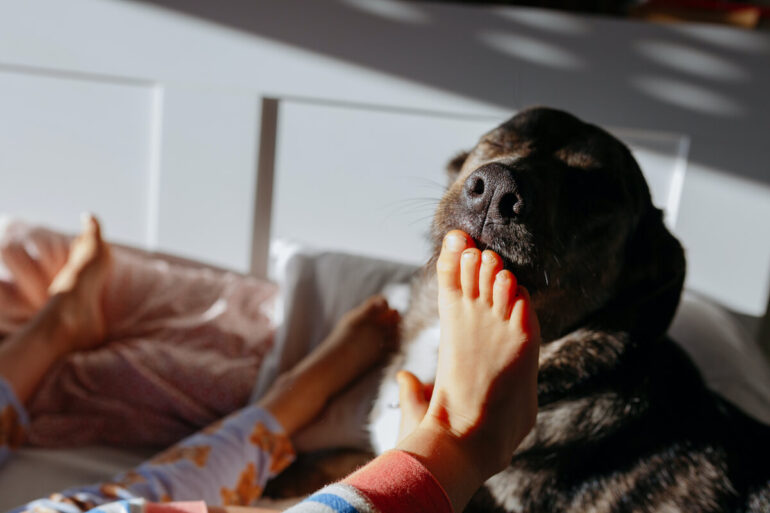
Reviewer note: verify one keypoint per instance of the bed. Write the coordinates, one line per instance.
(210, 133)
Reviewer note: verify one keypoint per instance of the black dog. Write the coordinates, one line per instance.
(625, 422)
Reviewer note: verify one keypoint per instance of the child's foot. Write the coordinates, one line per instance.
(76, 290)
(488, 351)
(362, 338)
(413, 399)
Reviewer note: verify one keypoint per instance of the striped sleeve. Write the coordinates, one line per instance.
(336, 498)
(394, 482)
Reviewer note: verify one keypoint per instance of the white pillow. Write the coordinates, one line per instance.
(318, 287)
(731, 363)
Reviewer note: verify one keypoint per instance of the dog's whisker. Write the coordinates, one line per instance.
(421, 220)
(424, 202)
(433, 184)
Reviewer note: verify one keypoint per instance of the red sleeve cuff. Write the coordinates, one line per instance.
(176, 507)
(397, 482)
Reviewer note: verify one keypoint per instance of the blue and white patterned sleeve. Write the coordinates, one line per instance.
(13, 421)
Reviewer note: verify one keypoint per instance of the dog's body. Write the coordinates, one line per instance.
(625, 422)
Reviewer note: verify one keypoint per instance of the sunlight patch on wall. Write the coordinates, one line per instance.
(391, 10)
(552, 21)
(739, 40)
(696, 62)
(531, 50)
(688, 96)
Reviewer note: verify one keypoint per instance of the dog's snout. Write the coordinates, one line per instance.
(496, 190)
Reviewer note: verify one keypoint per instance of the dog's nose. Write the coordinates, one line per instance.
(496, 190)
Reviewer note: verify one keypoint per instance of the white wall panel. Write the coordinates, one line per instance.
(706, 83)
(70, 143)
(364, 180)
(207, 177)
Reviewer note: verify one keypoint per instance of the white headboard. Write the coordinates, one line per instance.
(205, 128)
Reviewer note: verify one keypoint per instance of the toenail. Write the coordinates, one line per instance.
(455, 242)
(469, 254)
(487, 257)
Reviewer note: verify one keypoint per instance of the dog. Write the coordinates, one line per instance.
(625, 422)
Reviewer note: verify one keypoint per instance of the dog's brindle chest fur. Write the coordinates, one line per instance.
(625, 423)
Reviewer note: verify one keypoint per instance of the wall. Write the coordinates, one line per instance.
(184, 84)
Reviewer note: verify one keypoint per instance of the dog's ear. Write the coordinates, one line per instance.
(651, 281)
(454, 166)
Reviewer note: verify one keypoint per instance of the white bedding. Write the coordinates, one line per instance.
(317, 288)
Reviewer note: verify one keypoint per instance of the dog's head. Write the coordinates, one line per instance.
(566, 206)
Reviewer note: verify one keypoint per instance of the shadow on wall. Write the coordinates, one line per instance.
(709, 82)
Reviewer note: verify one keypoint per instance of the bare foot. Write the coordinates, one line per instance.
(413, 399)
(488, 352)
(76, 290)
(362, 338)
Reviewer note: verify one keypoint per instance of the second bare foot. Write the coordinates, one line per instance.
(362, 338)
(76, 290)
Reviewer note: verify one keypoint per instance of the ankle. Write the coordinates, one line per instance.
(451, 460)
(60, 323)
(293, 401)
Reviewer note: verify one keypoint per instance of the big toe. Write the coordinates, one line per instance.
(448, 264)
(373, 308)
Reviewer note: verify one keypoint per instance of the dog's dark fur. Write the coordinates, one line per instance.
(625, 422)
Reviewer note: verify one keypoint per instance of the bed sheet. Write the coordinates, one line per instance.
(317, 287)
(183, 347)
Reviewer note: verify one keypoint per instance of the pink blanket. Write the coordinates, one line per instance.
(184, 347)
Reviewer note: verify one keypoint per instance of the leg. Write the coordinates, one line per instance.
(230, 462)
(70, 319)
(361, 338)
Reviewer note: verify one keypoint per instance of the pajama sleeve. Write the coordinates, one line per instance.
(13, 421)
(394, 482)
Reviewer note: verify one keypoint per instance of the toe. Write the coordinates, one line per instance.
(469, 272)
(523, 314)
(491, 264)
(412, 401)
(374, 308)
(448, 264)
(410, 390)
(377, 303)
(90, 226)
(502, 293)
